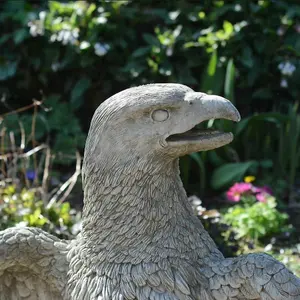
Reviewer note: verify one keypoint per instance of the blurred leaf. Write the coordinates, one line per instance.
(185, 76)
(266, 163)
(197, 158)
(8, 70)
(77, 92)
(141, 51)
(274, 117)
(4, 38)
(20, 35)
(213, 84)
(215, 159)
(247, 57)
(185, 164)
(240, 126)
(212, 65)
(52, 100)
(229, 173)
(151, 39)
(263, 93)
(228, 27)
(229, 81)
(91, 9)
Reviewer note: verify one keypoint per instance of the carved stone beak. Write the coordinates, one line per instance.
(201, 107)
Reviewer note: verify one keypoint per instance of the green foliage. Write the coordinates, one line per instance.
(229, 173)
(24, 208)
(288, 161)
(79, 53)
(256, 221)
(268, 146)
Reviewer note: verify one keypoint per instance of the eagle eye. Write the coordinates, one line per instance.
(160, 115)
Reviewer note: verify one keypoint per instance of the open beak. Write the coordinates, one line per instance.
(201, 108)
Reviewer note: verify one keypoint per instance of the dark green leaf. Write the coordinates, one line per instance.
(20, 35)
(229, 81)
(77, 92)
(247, 57)
(263, 93)
(4, 38)
(197, 158)
(151, 39)
(229, 173)
(8, 70)
(213, 84)
(141, 51)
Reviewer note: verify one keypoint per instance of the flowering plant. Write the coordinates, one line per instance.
(246, 191)
(255, 216)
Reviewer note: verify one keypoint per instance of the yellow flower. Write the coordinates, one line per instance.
(249, 179)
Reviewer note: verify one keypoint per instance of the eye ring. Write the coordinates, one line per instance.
(160, 115)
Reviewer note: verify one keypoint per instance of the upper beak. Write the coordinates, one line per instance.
(212, 107)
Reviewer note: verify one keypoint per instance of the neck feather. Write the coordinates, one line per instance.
(139, 205)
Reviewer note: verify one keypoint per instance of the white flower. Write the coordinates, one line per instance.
(76, 228)
(239, 26)
(237, 7)
(36, 28)
(174, 14)
(134, 73)
(177, 31)
(66, 36)
(169, 51)
(42, 15)
(287, 68)
(101, 49)
(101, 20)
(280, 31)
(21, 224)
(84, 45)
(268, 247)
(55, 66)
(79, 11)
(283, 83)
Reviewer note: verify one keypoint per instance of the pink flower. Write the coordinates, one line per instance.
(262, 193)
(267, 190)
(262, 197)
(237, 190)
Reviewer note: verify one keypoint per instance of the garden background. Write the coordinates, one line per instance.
(60, 60)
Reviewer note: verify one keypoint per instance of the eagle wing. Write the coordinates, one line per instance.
(252, 276)
(33, 264)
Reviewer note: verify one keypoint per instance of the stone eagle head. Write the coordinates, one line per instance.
(157, 120)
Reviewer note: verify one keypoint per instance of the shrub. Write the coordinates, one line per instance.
(255, 216)
(256, 221)
(24, 208)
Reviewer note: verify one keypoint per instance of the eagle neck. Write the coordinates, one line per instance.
(138, 208)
